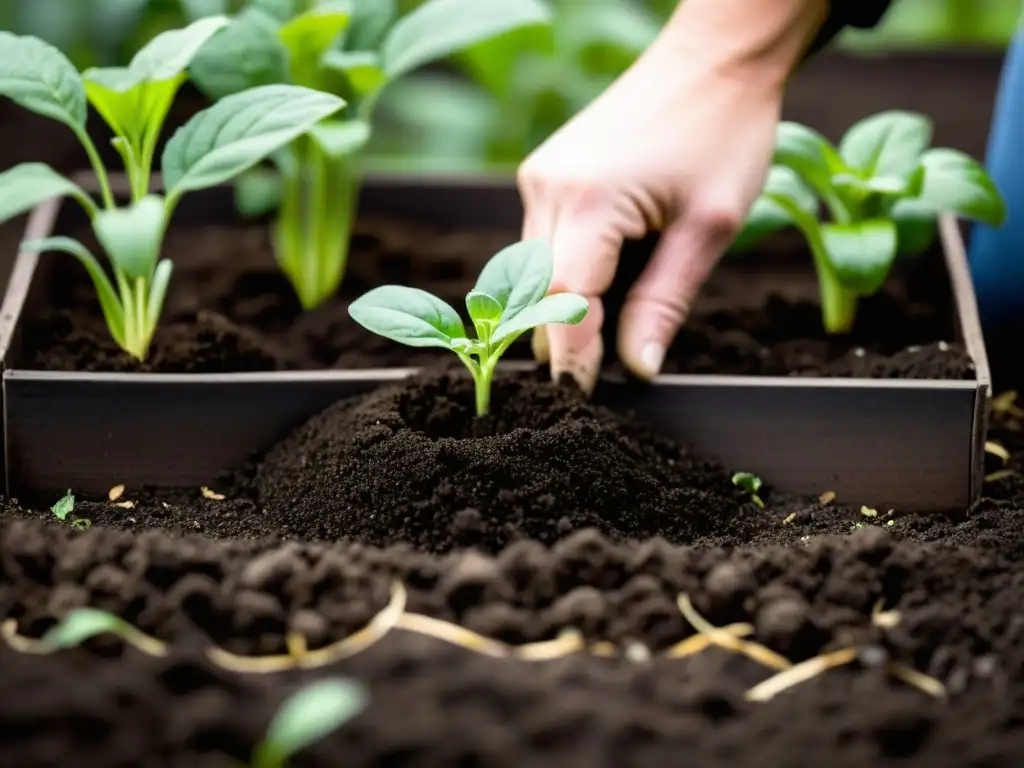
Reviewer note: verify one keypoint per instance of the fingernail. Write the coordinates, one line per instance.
(652, 356)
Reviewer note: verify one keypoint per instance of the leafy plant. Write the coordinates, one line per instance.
(353, 49)
(64, 506)
(882, 187)
(213, 147)
(518, 89)
(509, 298)
(749, 483)
(306, 717)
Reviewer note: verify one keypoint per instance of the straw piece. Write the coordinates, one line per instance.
(755, 651)
(800, 673)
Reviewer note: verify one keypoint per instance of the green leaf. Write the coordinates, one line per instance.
(308, 716)
(747, 482)
(258, 191)
(766, 216)
(517, 276)
(25, 186)
(65, 506)
(239, 131)
(362, 69)
(408, 315)
(158, 291)
(200, 9)
(168, 54)
(483, 307)
(113, 312)
(861, 254)
(41, 79)
(282, 10)
(83, 624)
(248, 53)
(956, 183)
(341, 138)
(561, 308)
(310, 34)
(136, 99)
(916, 226)
(808, 153)
(370, 22)
(888, 143)
(439, 28)
(132, 237)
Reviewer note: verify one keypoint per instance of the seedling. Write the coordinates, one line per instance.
(82, 624)
(306, 717)
(882, 187)
(749, 483)
(63, 507)
(353, 49)
(215, 146)
(509, 298)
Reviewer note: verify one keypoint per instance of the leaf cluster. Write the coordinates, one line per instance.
(213, 147)
(510, 297)
(882, 189)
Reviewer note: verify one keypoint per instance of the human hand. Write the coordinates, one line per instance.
(680, 144)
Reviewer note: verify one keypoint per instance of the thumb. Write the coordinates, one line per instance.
(585, 260)
(660, 300)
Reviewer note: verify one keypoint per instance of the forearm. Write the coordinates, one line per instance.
(766, 37)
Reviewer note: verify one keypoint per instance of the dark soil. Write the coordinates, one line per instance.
(956, 584)
(239, 314)
(804, 573)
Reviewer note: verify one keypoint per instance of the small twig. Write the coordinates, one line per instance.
(884, 619)
(800, 673)
(452, 633)
(568, 642)
(720, 637)
(298, 654)
(919, 680)
(694, 644)
(996, 449)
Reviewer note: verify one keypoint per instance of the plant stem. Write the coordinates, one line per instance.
(314, 222)
(838, 304)
(98, 168)
(483, 389)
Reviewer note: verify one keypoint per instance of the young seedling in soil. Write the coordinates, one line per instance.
(882, 187)
(353, 49)
(306, 717)
(509, 298)
(214, 147)
(78, 626)
(749, 483)
(64, 506)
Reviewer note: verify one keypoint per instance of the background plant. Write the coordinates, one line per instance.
(509, 298)
(882, 189)
(216, 145)
(353, 48)
(510, 93)
(307, 716)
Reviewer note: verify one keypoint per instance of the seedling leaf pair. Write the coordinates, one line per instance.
(353, 49)
(306, 717)
(217, 144)
(507, 300)
(882, 188)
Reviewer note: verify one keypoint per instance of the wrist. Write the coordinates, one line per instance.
(759, 40)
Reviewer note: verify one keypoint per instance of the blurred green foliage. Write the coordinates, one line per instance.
(492, 105)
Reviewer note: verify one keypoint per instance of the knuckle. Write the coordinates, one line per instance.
(719, 219)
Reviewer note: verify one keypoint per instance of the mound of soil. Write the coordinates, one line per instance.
(413, 463)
